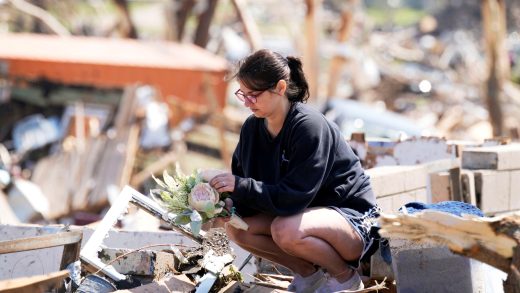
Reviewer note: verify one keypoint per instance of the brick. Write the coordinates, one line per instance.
(389, 180)
(440, 189)
(502, 157)
(492, 188)
(514, 192)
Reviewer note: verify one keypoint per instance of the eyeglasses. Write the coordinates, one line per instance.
(249, 97)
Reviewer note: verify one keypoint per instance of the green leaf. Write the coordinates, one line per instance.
(195, 227)
(159, 182)
(178, 171)
(182, 219)
(169, 180)
(209, 209)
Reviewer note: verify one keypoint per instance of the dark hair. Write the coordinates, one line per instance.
(264, 68)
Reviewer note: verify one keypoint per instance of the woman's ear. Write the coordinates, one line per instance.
(281, 87)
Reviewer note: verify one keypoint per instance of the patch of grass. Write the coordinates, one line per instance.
(404, 16)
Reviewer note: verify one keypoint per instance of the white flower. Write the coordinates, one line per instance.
(203, 197)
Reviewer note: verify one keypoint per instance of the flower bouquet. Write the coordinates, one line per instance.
(193, 200)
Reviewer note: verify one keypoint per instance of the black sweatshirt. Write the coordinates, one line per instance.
(307, 164)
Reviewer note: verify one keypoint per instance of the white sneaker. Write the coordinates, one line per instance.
(332, 285)
(305, 284)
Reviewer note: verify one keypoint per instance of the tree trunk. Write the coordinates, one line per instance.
(311, 57)
(494, 29)
(202, 34)
(127, 27)
(337, 62)
(183, 13)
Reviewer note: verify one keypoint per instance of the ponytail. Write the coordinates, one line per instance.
(298, 89)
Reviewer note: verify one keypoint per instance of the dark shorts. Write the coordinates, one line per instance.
(363, 224)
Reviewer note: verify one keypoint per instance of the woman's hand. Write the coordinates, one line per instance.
(220, 222)
(223, 182)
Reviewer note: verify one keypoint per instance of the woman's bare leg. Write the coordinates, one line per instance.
(320, 236)
(257, 240)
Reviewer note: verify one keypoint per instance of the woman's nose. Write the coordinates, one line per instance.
(247, 102)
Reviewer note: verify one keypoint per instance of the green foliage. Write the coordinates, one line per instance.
(174, 190)
(173, 193)
(397, 17)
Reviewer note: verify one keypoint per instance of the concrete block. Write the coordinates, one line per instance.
(467, 179)
(492, 188)
(421, 195)
(441, 165)
(398, 200)
(420, 150)
(514, 192)
(389, 180)
(502, 157)
(435, 269)
(440, 186)
(385, 203)
(149, 263)
(379, 269)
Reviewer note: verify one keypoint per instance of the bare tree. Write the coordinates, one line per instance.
(205, 18)
(494, 28)
(126, 26)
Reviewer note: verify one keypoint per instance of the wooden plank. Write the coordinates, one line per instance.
(220, 120)
(38, 242)
(126, 110)
(36, 284)
(7, 216)
(455, 184)
(156, 167)
(88, 162)
(132, 145)
(70, 253)
(52, 175)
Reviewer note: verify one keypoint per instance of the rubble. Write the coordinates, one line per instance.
(76, 127)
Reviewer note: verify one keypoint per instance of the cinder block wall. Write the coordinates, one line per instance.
(496, 170)
(489, 178)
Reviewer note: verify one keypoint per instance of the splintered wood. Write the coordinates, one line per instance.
(494, 241)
